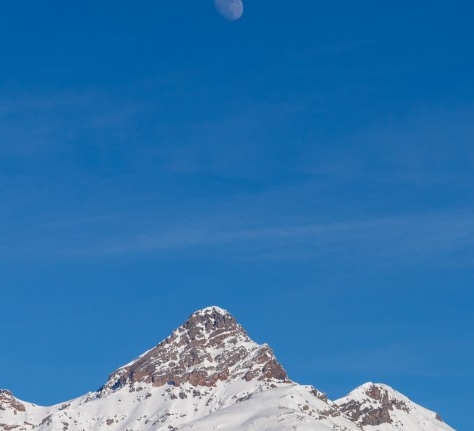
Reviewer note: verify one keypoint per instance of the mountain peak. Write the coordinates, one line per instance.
(374, 404)
(210, 346)
(211, 309)
(208, 322)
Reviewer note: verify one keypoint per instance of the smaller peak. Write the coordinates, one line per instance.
(372, 404)
(377, 404)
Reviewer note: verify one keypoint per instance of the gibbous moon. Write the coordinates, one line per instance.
(231, 10)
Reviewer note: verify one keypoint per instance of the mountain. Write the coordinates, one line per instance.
(378, 407)
(209, 375)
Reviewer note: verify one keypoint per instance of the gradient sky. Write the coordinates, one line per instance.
(308, 167)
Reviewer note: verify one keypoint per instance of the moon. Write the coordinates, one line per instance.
(231, 10)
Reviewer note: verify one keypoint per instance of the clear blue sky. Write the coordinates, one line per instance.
(308, 167)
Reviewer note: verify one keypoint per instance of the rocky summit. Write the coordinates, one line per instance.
(209, 347)
(210, 375)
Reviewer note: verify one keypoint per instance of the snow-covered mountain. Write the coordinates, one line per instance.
(209, 375)
(378, 407)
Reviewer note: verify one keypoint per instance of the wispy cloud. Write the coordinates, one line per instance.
(39, 123)
(413, 238)
(239, 146)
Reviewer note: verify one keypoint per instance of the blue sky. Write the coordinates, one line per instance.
(308, 167)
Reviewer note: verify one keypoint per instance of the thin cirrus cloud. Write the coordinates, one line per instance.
(408, 151)
(412, 238)
(422, 146)
(39, 124)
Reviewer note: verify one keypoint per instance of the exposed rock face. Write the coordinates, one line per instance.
(375, 408)
(366, 415)
(9, 402)
(208, 347)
